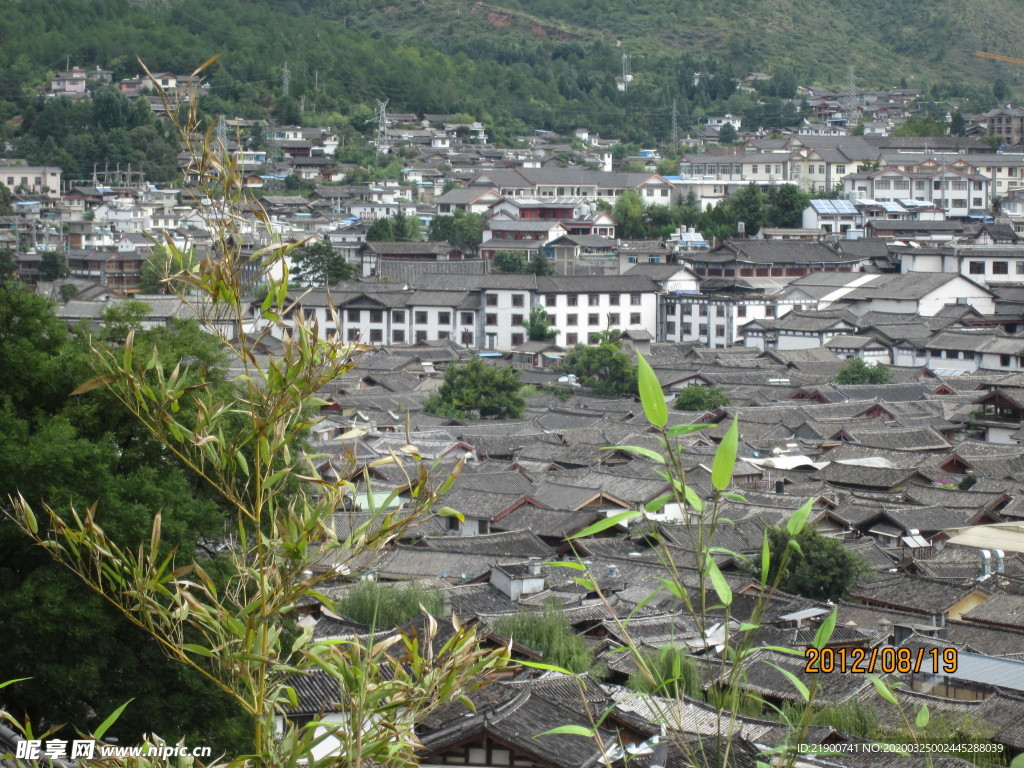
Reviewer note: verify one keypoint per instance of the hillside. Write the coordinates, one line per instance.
(516, 64)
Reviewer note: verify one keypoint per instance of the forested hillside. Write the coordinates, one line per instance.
(522, 64)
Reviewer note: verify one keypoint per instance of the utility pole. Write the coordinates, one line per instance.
(284, 80)
(383, 144)
(675, 124)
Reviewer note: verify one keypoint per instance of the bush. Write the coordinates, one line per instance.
(672, 673)
(550, 633)
(381, 605)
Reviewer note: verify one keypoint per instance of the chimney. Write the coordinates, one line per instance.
(999, 564)
(986, 563)
(780, 486)
(534, 566)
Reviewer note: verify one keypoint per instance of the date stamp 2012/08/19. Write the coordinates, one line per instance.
(888, 660)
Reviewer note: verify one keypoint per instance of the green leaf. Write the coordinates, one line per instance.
(197, 649)
(923, 716)
(796, 522)
(548, 667)
(797, 683)
(647, 453)
(568, 564)
(692, 498)
(687, 429)
(733, 496)
(655, 505)
(92, 384)
(824, 633)
(651, 395)
(883, 689)
(574, 730)
(725, 457)
(766, 558)
(674, 587)
(1018, 761)
(105, 725)
(12, 682)
(718, 581)
(602, 525)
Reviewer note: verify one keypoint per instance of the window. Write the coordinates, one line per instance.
(444, 318)
(551, 320)
(702, 330)
(614, 319)
(572, 320)
(1000, 268)
(840, 169)
(741, 311)
(687, 309)
(634, 318)
(635, 299)
(720, 330)
(421, 336)
(492, 299)
(353, 334)
(398, 316)
(352, 315)
(572, 338)
(518, 300)
(420, 318)
(398, 337)
(719, 310)
(703, 310)
(517, 320)
(613, 299)
(1020, 267)
(467, 338)
(517, 339)
(976, 267)
(769, 311)
(572, 300)
(593, 299)
(753, 169)
(593, 319)
(550, 300)
(467, 318)
(670, 329)
(969, 355)
(376, 316)
(670, 309)
(1004, 360)
(376, 335)
(821, 169)
(976, 202)
(491, 319)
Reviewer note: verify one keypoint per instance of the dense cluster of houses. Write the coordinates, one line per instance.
(913, 267)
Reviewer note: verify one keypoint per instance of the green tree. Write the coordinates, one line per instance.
(727, 134)
(550, 633)
(67, 292)
(462, 229)
(957, 124)
(786, 204)
(629, 215)
(605, 368)
(858, 372)
(748, 205)
(540, 266)
(536, 325)
(8, 265)
(381, 231)
(921, 126)
(822, 569)
(510, 261)
(700, 399)
(320, 264)
(54, 265)
(475, 390)
(6, 201)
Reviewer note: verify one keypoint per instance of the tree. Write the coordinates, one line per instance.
(475, 390)
(462, 229)
(550, 633)
(700, 399)
(6, 201)
(604, 368)
(858, 372)
(320, 264)
(629, 215)
(510, 261)
(380, 231)
(67, 292)
(822, 568)
(786, 204)
(54, 265)
(957, 124)
(536, 325)
(727, 134)
(748, 206)
(8, 265)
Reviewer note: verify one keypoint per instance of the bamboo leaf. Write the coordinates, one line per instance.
(96, 383)
(647, 453)
(573, 730)
(687, 429)
(567, 564)
(923, 716)
(796, 522)
(5, 683)
(797, 683)
(651, 395)
(824, 633)
(197, 649)
(766, 558)
(725, 457)
(605, 524)
(111, 719)
(883, 689)
(722, 588)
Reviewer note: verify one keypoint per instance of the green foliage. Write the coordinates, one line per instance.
(8, 265)
(823, 569)
(858, 372)
(475, 390)
(385, 606)
(67, 292)
(855, 717)
(748, 205)
(381, 231)
(727, 134)
(786, 204)
(629, 215)
(462, 229)
(669, 672)
(122, 317)
(54, 265)
(550, 633)
(700, 399)
(6, 201)
(319, 264)
(516, 262)
(604, 369)
(537, 328)
(921, 126)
